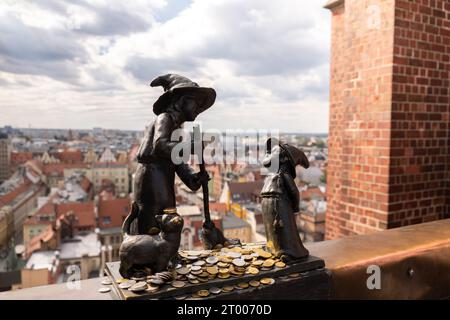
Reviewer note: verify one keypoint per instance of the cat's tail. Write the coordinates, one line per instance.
(134, 212)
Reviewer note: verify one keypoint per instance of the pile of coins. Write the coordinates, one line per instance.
(203, 266)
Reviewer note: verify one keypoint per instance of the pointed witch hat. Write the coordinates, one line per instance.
(174, 84)
(295, 155)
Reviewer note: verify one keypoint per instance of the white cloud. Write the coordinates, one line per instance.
(268, 62)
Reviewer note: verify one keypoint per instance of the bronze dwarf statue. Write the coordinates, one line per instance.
(154, 191)
(148, 240)
(280, 200)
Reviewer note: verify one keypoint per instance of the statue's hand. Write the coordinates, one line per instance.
(201, 177)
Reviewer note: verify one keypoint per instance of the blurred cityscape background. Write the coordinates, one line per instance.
(65, 193)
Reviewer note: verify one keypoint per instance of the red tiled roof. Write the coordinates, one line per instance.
(113, 211)
(69, 157)
(35, 243)
(49, 207)
(84, 212)
(246, 189)
(34, 221)
(35, 164)
(20, 157)
(6, 199)
(58, 168)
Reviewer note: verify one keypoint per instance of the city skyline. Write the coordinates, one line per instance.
(67, 66)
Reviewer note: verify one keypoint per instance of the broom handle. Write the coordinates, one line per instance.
(197, 133)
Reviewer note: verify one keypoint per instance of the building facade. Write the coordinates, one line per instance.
(115, 172)
(5, 157)
(389, 133)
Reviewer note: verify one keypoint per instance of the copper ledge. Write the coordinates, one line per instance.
(414, 262)
(332, 4)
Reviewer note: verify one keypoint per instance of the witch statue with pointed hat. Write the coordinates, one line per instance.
(281, 199)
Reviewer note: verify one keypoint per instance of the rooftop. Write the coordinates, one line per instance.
(41, 260)
(81, 245)
(112, 212)
(230, 221)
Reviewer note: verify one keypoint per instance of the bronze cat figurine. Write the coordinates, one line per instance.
(153, 251)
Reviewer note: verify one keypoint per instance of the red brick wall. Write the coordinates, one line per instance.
(419, 171)
(389, 115)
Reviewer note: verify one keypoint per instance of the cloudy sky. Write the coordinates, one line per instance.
(87, 63)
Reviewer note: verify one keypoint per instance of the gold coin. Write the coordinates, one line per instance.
(237, 273)
(268, 263)
(267, 281)
(222, 264)
(194, 281)
(258, 263)
(227, 289)
(264, 254)
(212, 270)
(294, 275)
(223, 275)
(178, 284)
(247, 257)
(224, 271)
(280, 264)
(243, 285)
(225, 259)
(254, 283)
(252, 270)
(203, 293)
(119, 281)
